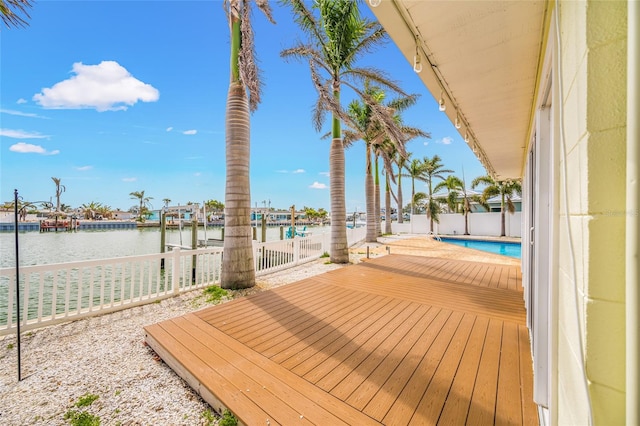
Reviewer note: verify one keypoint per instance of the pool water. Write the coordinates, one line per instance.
(497, 247)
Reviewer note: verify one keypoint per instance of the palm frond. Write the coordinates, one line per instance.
(11, 11)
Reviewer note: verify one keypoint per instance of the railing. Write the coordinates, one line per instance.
(61, 292)
(56, 293)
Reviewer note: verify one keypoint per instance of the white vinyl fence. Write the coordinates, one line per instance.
(480, 224)
(56, 293)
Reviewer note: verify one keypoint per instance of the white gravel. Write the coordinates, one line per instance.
(106, 356)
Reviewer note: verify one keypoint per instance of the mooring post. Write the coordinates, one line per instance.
(194, 245)
(263, 229)
(15, 209)
(163, 236)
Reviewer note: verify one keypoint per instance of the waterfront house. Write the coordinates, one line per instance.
(547, 92)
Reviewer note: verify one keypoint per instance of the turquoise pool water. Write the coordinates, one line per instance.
(497, 247)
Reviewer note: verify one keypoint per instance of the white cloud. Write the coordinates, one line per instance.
(189, 132)
(20, 113)
(107, 86)
(27, 148)
(281, 171)
(84, 168)
(318, 185)
(21, 134)
(129, 179)
(426, 143)
(21, 101)
(197, 174)
(298, 171)
(447, 140)
(324, 174)
(169, 129)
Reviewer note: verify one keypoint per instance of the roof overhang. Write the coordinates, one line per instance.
(483, 59)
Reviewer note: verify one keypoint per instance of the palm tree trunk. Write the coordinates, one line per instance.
(429, 210)
(339, 247)
(413, 195)
(238, 270)
(400, 212)
(387, 206)
(466, 222)
(502, 217)
(376, 203)
(370, 198)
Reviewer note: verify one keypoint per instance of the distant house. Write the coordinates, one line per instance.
(122, 215)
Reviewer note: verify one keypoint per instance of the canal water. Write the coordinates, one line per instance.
(57, 247)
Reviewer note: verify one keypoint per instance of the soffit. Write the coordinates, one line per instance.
(482, 57)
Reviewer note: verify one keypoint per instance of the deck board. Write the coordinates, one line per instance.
(396, 340)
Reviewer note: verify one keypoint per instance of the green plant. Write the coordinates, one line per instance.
(228, 419)
(325, 254)
(328, 262)
(214, 293)
(209, 418)
(86, 400)
(10, 346)
(118, 392)
(81, 418)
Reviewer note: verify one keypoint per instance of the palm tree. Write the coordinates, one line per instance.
(452, 184)
(456, 188)
(338, 37)
(367, 129)
(432, 168)
(505, 189)
(166, 202)
(144, 204)
(59, 190)
(414, 171)
(401, 161)
(11, 11)
(89, 210)
(388, 151)
(238, 269)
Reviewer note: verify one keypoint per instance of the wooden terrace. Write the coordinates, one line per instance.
(396, 340)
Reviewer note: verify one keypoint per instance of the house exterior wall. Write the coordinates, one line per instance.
(591, 281)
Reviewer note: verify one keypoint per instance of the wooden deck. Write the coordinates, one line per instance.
(396, 340)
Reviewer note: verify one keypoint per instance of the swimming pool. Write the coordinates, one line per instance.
(497, 247)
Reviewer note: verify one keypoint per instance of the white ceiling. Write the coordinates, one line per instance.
(483, 56)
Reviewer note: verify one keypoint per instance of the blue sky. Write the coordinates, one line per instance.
(121, 96)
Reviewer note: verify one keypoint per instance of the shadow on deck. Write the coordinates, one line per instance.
(396, 340)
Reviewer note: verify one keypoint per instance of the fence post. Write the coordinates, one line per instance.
(175, 270)
(296, 250)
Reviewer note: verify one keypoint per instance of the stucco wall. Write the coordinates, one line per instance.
(591, 275)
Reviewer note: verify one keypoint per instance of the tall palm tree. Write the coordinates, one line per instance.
(59, 190)
(243, 97)
(11, 11)
(367, 129)
(144, 203)
(432, 168)
(505, 189)
(337, 37)
(387, 150)
(415, 172)
(401, 161)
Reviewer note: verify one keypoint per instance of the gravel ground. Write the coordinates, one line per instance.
(106, 356)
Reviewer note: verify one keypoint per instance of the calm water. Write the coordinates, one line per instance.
(497, 247)
(51, 247)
